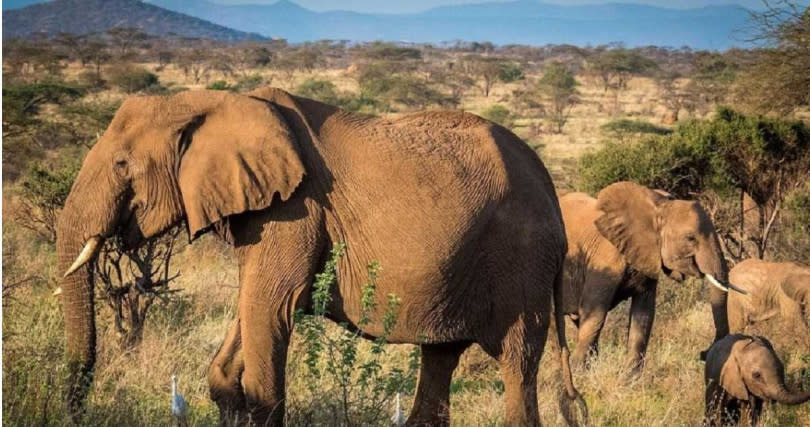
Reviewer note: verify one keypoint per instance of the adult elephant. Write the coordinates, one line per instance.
(618, 244)
(456, 209)
(775, 289)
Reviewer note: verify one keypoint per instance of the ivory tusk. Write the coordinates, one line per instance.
(737, 288)
(57, 291)
(716, 283)
(89, 251)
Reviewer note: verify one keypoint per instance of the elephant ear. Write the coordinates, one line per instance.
(631, 223)
(796, 285)
(238, 153)
(731, 377)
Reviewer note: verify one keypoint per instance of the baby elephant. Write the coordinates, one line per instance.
(742, 372)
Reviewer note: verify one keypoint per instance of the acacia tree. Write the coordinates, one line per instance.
(125, 39)
(675, 94)
(614, 68)
(778, 82)
(485, 69)
(558, 87)
(195, 64)
(245, 58)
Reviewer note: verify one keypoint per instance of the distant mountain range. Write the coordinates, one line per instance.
(515, 22)
(89, 16)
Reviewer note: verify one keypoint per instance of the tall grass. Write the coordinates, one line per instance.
(132, 388)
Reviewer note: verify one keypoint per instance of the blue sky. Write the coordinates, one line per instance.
(407, 6)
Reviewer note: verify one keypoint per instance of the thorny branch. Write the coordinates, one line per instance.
(131, 281)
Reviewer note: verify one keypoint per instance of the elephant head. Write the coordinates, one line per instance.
(199, 156)
(750, 368)
(657, 234)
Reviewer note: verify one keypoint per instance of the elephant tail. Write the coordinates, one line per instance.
(571, 393)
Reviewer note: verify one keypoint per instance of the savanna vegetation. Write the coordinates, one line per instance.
(731, 129)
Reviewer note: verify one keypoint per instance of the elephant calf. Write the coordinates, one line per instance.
(618, 244)
(775, 289)
(742, 372)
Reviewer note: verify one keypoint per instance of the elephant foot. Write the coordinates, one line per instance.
(634, 368)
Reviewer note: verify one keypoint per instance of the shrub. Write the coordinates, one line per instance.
(90, 79)
(131, 281)
(392, 52)
(620, 129)
(732, 151)
(497, 113)
(131, 79)
(387, 87)
(43, 192)
(510, 72)
(248, 83)
(653, 162)
(318, 89)
(344, 381)
(218, 85)
(21, 102)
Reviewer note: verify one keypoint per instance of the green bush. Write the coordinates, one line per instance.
(21, 102)
(392, 52)
(797, 205)
(218, 85)
(318, 89)
(510, 72)
(725, 154)
(625, 127)
(497, 113)
(660, 162)
(248, 83)
(340, 378)
(388, 86)
(131, 78)
(43, 192)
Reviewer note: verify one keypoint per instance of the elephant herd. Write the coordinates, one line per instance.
(461, 214)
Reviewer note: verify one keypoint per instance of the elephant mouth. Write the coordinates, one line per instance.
(129, 230)
(674, 275)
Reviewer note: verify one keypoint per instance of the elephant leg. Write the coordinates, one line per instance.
(519, 359)
(432, 404)
(737, 316)
(590, 327)
(642, 315)
(224, 378)
(276, 272)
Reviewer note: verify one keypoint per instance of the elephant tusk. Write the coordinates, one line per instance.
(57, 291)
(87, 253)
(716, 283)
(737, 288)
(725, 288)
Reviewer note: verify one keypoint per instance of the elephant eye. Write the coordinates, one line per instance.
(757, 375)
(691, 238)
(121, 167)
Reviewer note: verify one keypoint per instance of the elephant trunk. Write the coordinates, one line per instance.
(80, 326)
(90, 213)
(783, 395)
(712, 263)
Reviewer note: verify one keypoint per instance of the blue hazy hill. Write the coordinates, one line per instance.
(518, 22)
